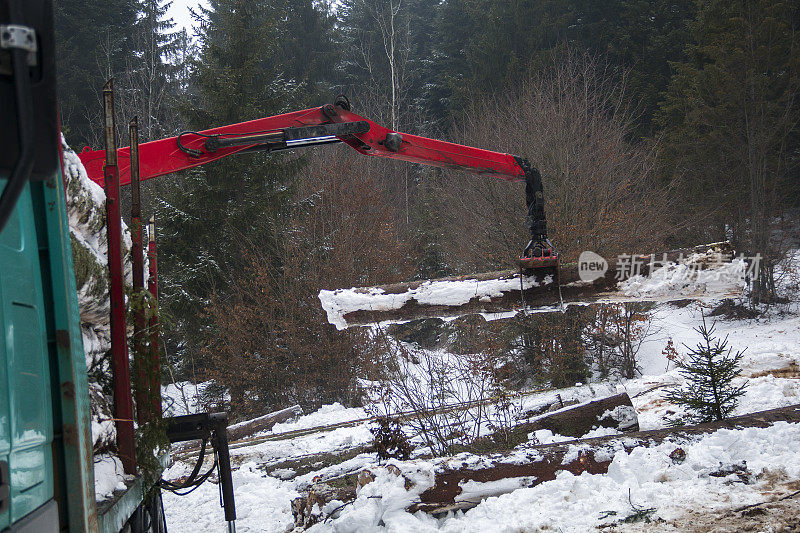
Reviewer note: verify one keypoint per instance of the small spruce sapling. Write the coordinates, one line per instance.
(710, 369)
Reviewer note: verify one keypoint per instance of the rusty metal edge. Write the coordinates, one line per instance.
(74, 387)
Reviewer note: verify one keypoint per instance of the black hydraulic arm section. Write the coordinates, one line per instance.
(536, 221)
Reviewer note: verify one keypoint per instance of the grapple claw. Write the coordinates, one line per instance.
(539, 254)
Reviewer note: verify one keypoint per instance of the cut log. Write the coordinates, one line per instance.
(572, 420)
(262, 423)
(583, 455)
(614, 412)
(307, 509)
(499, 474)
(502, 293)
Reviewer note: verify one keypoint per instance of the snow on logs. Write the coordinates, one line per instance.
(675, 276)
(614, 412)
(262, 423)
(462, 481)
(486, 292)
(542, 463)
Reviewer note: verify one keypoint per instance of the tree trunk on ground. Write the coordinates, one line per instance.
(594, 457)
(614, 412)
(262, 423)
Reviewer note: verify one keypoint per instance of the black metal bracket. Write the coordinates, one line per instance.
(288, 138)
(204, 426)
(5, 487)
(19, 37)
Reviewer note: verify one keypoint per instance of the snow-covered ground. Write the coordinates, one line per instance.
(645, 479)
(771, 355)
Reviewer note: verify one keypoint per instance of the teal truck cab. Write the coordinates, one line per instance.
(46, 462)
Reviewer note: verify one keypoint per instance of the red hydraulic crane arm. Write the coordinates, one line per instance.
(319, 125)
(331, 123)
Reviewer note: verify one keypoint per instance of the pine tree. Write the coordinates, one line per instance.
(449, 63)
(387, 50)
(93, 43)
(483, 46)
(211, 213)
(730, 120)
(152, 73)
(710, 369)
(309, 49)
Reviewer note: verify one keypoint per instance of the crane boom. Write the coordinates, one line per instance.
(332, 123)
(322, 124)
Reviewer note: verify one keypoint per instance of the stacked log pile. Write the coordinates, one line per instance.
(615, 412)
(530, 465)
(511, 293)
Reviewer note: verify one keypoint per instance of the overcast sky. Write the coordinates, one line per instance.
(179, 11)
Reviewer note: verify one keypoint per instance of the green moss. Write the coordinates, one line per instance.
(499, 442)
(151, 443)
(349, 480)
(87, 270)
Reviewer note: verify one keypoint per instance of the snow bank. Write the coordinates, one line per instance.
(772, 343)
(262, 504)
(315, 443)
(380, 505)
(334, 413)
(545, 436)
(685, 279)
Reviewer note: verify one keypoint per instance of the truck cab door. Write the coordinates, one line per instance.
(26, 421)
(29, 155)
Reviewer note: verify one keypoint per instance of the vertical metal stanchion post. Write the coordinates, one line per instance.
(152, 286)
(140, 353)
(123, 403)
